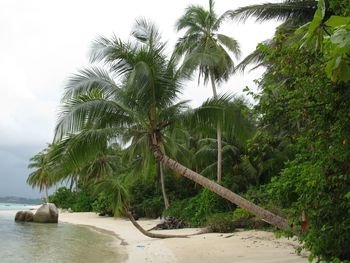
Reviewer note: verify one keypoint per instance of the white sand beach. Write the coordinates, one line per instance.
(238, 247)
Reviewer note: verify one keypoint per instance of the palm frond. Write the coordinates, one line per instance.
(89, 79)
(147, 33)
(230, 43)
(298, 11)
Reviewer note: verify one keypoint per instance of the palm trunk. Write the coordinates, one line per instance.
(165, 197)
(265, 215)
(218, 138)
(218, 135)
(147, 233)
(46, 194)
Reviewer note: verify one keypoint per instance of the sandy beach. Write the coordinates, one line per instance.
(240, 247)
(237, 247)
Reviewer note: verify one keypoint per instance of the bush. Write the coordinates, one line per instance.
(221, 223)
(83, 200)
(63, 198)
(102, 205)
(79, 201)
(196, 210)
(146, 197)
(228, 222)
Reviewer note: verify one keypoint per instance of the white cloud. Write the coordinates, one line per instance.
(43, 42)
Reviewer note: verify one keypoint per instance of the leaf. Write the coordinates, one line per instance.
(341, 38)
(318, 17)
(347, 195)
(335, 21)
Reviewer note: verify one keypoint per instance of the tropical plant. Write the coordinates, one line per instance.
(293, 13)
(332, 37)
(141, 107)
(303, 130)
(206, 50)
(43, 175)
(114, 187)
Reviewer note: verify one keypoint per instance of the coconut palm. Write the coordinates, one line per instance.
(141, 106)
(42, 176)
(295, 12)
(206, 50)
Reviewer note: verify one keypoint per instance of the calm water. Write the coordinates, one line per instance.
(10, 206)
(59, 243)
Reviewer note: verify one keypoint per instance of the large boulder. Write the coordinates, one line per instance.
(47, 213)
(24, 216)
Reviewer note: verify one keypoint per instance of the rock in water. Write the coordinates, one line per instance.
(24, 216)
(47, 213)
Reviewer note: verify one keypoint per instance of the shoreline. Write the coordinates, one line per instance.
(239, 247)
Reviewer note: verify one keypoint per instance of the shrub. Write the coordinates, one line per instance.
(63, 198)
(196, 210)
(102, 204)
(83, 200)
(79, 201)
(221, 223)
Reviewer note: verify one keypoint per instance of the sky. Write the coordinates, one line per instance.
(44, 42)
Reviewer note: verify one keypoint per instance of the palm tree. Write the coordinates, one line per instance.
(142, 161)
(293, 13)
(141, 106)
(42, 176)
(206, 50)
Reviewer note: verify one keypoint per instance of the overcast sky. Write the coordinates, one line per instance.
(44, 42)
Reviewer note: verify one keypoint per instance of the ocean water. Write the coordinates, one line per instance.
(55, 243)
(11, 206)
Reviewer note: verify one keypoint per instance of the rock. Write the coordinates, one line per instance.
(24, 216)
(47, 213)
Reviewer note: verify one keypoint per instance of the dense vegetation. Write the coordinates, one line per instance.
(288, 154)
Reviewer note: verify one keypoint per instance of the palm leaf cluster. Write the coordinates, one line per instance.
(122, 116)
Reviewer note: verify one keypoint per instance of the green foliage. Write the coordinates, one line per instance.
(84, 199)
(103, 204)
(332, 36)
(63, 198)
(196, 210)
(221, 223)
(228, 222)
(79, 201)
(308, 115)
(337, 49)
(145, 197)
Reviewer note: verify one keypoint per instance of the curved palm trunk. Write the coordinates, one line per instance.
(150, 234)
(218, 135)
(165, 197)
(265, 215)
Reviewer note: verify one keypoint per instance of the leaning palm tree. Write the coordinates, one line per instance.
(206, 50)
(141, 105)
(42, 176)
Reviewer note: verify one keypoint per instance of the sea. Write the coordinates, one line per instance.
(53, 243)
